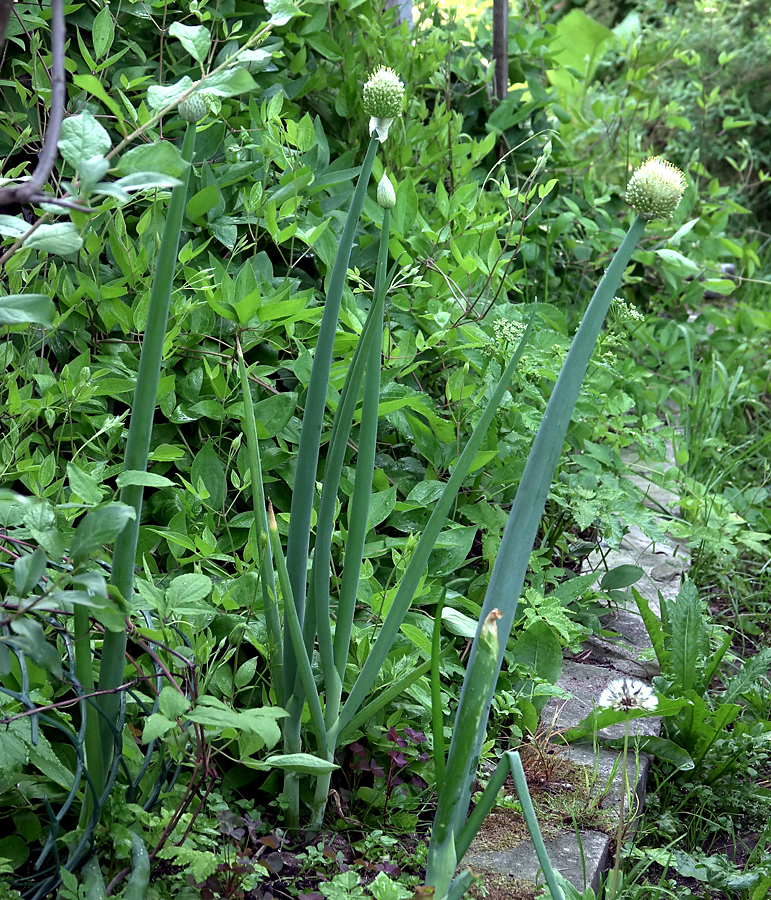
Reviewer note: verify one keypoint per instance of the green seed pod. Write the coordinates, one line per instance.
(656, 188)
(383, 94)
(194, 108)
(386, 196)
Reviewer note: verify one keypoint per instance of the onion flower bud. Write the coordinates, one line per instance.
(383, 96)
(655, 189)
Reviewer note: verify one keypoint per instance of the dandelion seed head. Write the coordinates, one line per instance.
(626, 695)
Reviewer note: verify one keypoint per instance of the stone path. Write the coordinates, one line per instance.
(583, 857)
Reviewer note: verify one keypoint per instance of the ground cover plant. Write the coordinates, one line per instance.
(202, 730)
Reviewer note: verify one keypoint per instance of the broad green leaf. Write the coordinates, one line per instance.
(13, 754)
(381, 506)
(210, 470)
(83, 485)
(538, 647)
(13, 226)
(30, 637)
(83, 137)
(273, 414)
(160, 157)
(299, 762)
(418, 637)
(229, 83)
(62, 239)
(141, 181)
(97, 528)
(15, 850)
(188, 589)
(156, 726)
(282, 11)
(205, 200)
(678, 263)
(171, 703)
(406, 209)
(621, 577)
(143, 479)
(16, 309)
(159, 96)
(28, 570)
(459, 623)
(194, 38)
(103, 32)
(451, 550)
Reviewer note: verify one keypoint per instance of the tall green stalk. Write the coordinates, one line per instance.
(304, 487)
(138, 443)
(654, 190)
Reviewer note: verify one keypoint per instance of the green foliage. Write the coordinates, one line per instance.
(497, 205)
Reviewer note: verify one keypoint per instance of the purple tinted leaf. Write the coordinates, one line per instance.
(416, 737)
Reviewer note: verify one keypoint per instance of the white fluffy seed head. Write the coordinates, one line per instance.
(627, 695)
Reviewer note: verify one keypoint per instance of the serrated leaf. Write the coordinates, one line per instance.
(17, 309)
(194, 38)
(82, 137)
(688, 638)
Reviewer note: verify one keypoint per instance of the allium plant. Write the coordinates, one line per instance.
(655, 190)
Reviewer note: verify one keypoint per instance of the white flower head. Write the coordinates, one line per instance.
(656, 188)
(627, 695)
(383, 97)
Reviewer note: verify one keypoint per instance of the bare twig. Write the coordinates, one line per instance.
(31, 190)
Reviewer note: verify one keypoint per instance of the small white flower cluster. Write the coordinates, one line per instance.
(627, 695)
(507, 332)
(621, 311)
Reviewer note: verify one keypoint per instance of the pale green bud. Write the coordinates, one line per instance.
(386, 195)
(655, 189)
(194, 108)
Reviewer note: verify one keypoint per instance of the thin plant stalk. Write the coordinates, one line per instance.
(138, 443)
(419, 560)
(267, 574)
(614, 885)
(437, 716)
(304, 487)
(358, 513)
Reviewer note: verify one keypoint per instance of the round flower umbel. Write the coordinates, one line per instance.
(383, 97)
(656, 188)
(627, 695)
